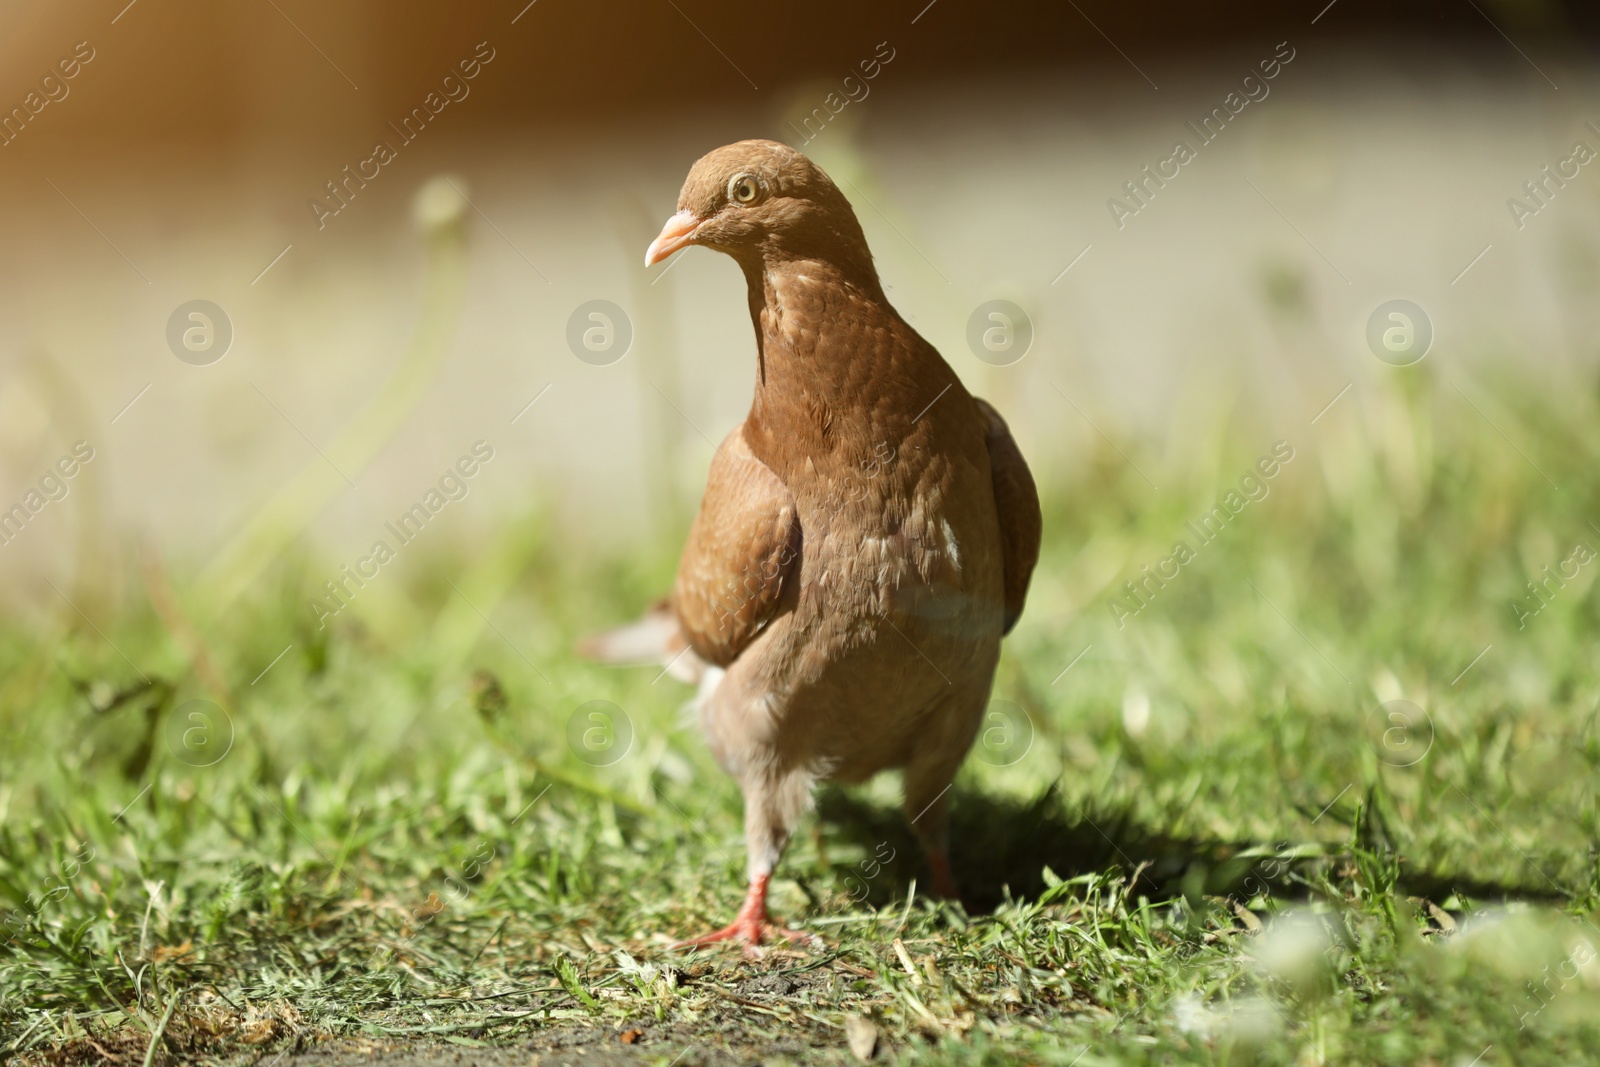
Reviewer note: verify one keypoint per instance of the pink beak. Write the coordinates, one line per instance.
(678, 232)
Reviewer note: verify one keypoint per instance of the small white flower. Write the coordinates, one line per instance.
(439, 203)
(1135, 712)
(1293, 948)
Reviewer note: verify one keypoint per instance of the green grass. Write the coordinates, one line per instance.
(1209, 852)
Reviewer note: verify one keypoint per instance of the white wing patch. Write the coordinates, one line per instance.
(950, 548)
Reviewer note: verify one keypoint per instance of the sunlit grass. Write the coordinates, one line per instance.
(390, 845)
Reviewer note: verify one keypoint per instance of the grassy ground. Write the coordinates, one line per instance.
(1197, 833)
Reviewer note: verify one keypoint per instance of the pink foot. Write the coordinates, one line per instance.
(752, 925)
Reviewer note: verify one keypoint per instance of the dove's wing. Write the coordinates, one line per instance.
(1017, 502)
(743, 550)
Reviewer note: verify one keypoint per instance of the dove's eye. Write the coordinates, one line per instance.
(743, 189)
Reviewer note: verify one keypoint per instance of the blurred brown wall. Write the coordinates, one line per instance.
(209, 71)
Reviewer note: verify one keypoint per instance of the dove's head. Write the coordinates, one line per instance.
(760, 200)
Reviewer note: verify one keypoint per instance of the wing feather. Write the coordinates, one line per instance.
(742, 550)
(1017, 501)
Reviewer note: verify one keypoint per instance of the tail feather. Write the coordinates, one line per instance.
(653, 639)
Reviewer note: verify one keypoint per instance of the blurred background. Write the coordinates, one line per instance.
(185, 158)
(280, 278)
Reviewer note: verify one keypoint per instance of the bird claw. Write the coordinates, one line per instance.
(752, 933)
(752, 925)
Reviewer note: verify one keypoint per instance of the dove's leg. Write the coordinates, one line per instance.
(927, 808)
(771, 810)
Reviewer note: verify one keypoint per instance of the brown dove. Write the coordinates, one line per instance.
(866, 536)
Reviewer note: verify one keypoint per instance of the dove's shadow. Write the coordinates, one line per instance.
(1000, 846)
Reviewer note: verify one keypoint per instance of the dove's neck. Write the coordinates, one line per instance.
(819, 328)
(837, 364)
